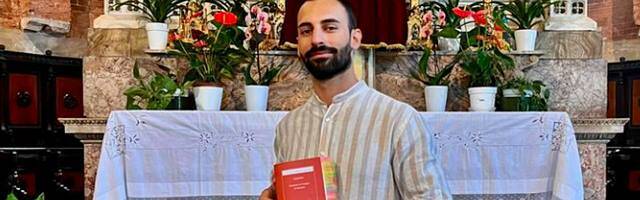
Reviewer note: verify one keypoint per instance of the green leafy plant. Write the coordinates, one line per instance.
(258, 29)
(534, 94)
(154, 10)
(156, 93)
(438, 77)
(11, 196)
(212, 44)
(526, 13)
(482, 58)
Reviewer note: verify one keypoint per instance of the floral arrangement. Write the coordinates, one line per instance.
(482, 58)
(422, 73)
(209, 37)
(258, 29)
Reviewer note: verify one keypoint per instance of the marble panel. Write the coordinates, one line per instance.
(593, 162)
(109, 42)
(578, 87)
(91, 159)
(570, 44)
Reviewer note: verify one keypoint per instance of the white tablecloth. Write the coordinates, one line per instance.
(229, 155)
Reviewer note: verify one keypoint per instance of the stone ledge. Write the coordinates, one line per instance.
(598, 130)
(87, 130)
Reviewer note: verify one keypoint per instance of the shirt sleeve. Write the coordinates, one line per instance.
(417, 172)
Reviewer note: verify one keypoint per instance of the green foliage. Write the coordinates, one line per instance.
(156, 93)
(526, 13)
(485, 67)
(423, 74)
(263, 79)
(154, 10)
(11, 196)
(539, 94)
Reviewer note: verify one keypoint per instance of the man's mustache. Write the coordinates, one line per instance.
(320, 48)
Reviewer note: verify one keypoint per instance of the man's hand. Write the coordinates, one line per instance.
(268, 194)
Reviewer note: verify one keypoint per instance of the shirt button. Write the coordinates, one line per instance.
(327, 119)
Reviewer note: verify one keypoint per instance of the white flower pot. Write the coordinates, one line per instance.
(157, 34)
(526, 39)
(482, 99)
(208, 97)
(435, 97)
(449, 44)
(256, 97)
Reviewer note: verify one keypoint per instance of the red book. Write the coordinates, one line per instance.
(308, 179)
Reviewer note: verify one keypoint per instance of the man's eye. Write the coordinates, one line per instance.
(331, 28)
(305, 32)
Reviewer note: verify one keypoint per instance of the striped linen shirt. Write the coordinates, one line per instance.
(379, 144)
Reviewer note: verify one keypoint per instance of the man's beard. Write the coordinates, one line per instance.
(328, 68)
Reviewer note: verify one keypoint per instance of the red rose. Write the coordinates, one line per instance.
(462, 13)
(174, 36)
(225, 18)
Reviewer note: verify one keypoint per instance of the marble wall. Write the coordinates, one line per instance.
(576, 76)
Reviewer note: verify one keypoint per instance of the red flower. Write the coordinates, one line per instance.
(499, 28)
(174, 36)
(200, 44)
(462, 13)
(479, 17)
(225, 18)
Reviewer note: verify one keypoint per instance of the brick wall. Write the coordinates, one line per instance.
(600, 11)
(624, 26)
(11, 11)
(51, 9)
(79, 18)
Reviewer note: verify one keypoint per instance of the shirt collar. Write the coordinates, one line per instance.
(360, 86)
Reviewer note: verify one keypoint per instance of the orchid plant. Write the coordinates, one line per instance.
(258, 29)
(447, 24)
(208, 36)
(482, 58)
(423, 73)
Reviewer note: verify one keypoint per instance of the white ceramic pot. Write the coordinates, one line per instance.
(482, 99)
(157, 34)
(435, 97)
(526, 39)
(208, 97)
(449, 44)
(256, 97)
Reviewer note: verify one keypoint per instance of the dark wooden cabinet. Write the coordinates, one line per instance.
(623, 151)
(35, 154)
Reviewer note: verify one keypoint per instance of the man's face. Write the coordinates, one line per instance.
(325, 41)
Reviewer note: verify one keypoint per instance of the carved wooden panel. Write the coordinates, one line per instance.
(23, 99)
(68, 97)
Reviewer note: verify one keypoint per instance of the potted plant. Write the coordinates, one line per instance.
(446, 29)
(520, 94)
(157, 12)
(482, 59)
(258, 28)
(213, 45)
(436, 83)
(157, 93)
(526, 15)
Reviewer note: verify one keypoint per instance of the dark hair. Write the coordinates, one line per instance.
(353, 22)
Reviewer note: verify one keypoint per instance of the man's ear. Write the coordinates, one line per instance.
(356, 38)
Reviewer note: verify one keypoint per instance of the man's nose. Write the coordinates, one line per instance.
(318, 38)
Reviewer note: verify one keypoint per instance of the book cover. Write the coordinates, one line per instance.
(307, 179)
